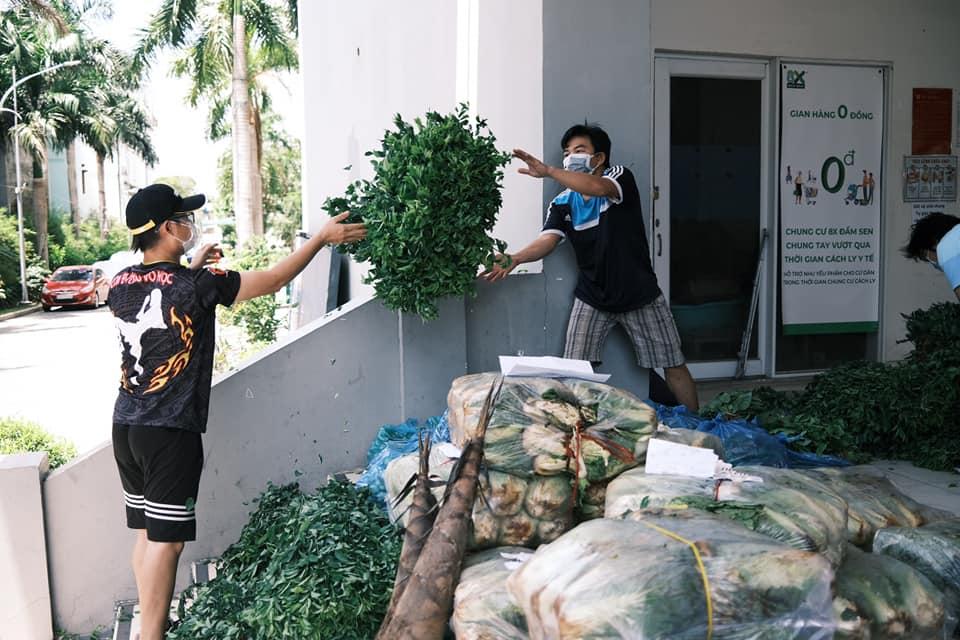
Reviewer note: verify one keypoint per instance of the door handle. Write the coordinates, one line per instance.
(659, 245)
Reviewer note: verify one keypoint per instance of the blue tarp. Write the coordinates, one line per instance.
(394, 441)
(746, 442)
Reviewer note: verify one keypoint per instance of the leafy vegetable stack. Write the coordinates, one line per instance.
(429, 209)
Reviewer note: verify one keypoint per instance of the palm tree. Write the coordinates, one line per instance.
(95, 101)
(46, 104)
(223, 42)
(98, 57)
(45, 11)
(115, 118)
(109, 112)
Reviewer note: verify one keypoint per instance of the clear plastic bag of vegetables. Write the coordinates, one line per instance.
(879, 597)
(873, 502)
(508, 510)
(546, 426)
(482, 607)
(933, 550)
(810, 518)
(679, 575)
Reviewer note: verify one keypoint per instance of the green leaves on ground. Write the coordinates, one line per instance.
(860, 410)
(307, 566)
(429, 208)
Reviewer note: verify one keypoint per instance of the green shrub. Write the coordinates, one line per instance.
(10, 257)
(20, 436)
(86, 246)
(258, 316)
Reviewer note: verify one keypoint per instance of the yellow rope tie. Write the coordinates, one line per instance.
(700, 567)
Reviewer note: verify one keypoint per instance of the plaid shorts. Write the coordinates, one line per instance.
(652, 331)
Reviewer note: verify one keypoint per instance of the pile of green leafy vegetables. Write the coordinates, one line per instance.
(429, 208)
(306, 566)
(906, 410)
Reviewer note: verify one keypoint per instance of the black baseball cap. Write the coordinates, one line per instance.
(151, 206)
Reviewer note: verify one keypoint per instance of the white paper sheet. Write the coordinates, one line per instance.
(670, 458)
(550, 367)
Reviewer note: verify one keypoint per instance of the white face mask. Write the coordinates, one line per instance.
(578, 162)
(190, 242)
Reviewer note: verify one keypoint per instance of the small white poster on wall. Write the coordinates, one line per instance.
(930, 179)
(830, 185)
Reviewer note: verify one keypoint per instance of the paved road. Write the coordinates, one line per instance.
(61, 369)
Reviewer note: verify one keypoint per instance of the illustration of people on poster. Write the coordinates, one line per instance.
(929, 179)
(831, 143)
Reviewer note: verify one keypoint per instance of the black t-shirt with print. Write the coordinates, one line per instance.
(610, 243)
(165, 314)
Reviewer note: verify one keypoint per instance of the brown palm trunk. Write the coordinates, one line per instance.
(101, 193)
(243, 136)
(72, 187)
(422, 610)
(257, 171)
(41, 208)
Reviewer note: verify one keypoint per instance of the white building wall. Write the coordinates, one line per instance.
(363, 62)
(25, 588)
(919, 40)
(133, 174)
(508, 93)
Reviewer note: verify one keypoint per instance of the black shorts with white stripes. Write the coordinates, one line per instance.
(160, 473)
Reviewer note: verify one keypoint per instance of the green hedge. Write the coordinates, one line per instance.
(906, 410)
(21, 436)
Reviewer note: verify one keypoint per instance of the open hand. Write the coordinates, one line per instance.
(535, 167)
(208, 254)
(503, 264)
(335, 231)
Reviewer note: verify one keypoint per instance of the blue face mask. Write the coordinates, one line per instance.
(578, 163)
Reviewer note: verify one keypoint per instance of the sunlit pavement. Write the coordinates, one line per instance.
(61, 369)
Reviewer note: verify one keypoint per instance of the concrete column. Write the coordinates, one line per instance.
(432, 355)
(25, 612)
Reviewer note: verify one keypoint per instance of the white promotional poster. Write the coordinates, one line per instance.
(830, 185)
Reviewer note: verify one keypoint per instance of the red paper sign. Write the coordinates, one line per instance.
(932, 119)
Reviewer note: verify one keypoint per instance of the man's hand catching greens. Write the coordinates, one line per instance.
(503, 264)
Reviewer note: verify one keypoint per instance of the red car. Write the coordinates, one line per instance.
(75, 287)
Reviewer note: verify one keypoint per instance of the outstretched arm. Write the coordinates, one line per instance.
(536, 250)
(583, 183)
(258, 283)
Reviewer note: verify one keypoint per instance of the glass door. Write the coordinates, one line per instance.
(711, 159)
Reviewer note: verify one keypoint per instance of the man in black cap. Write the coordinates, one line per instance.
(165, 313)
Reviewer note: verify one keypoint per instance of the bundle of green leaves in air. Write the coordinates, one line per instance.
(429, 209)
(306, 566)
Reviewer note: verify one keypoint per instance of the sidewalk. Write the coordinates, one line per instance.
(940, 489)
(17, 312)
